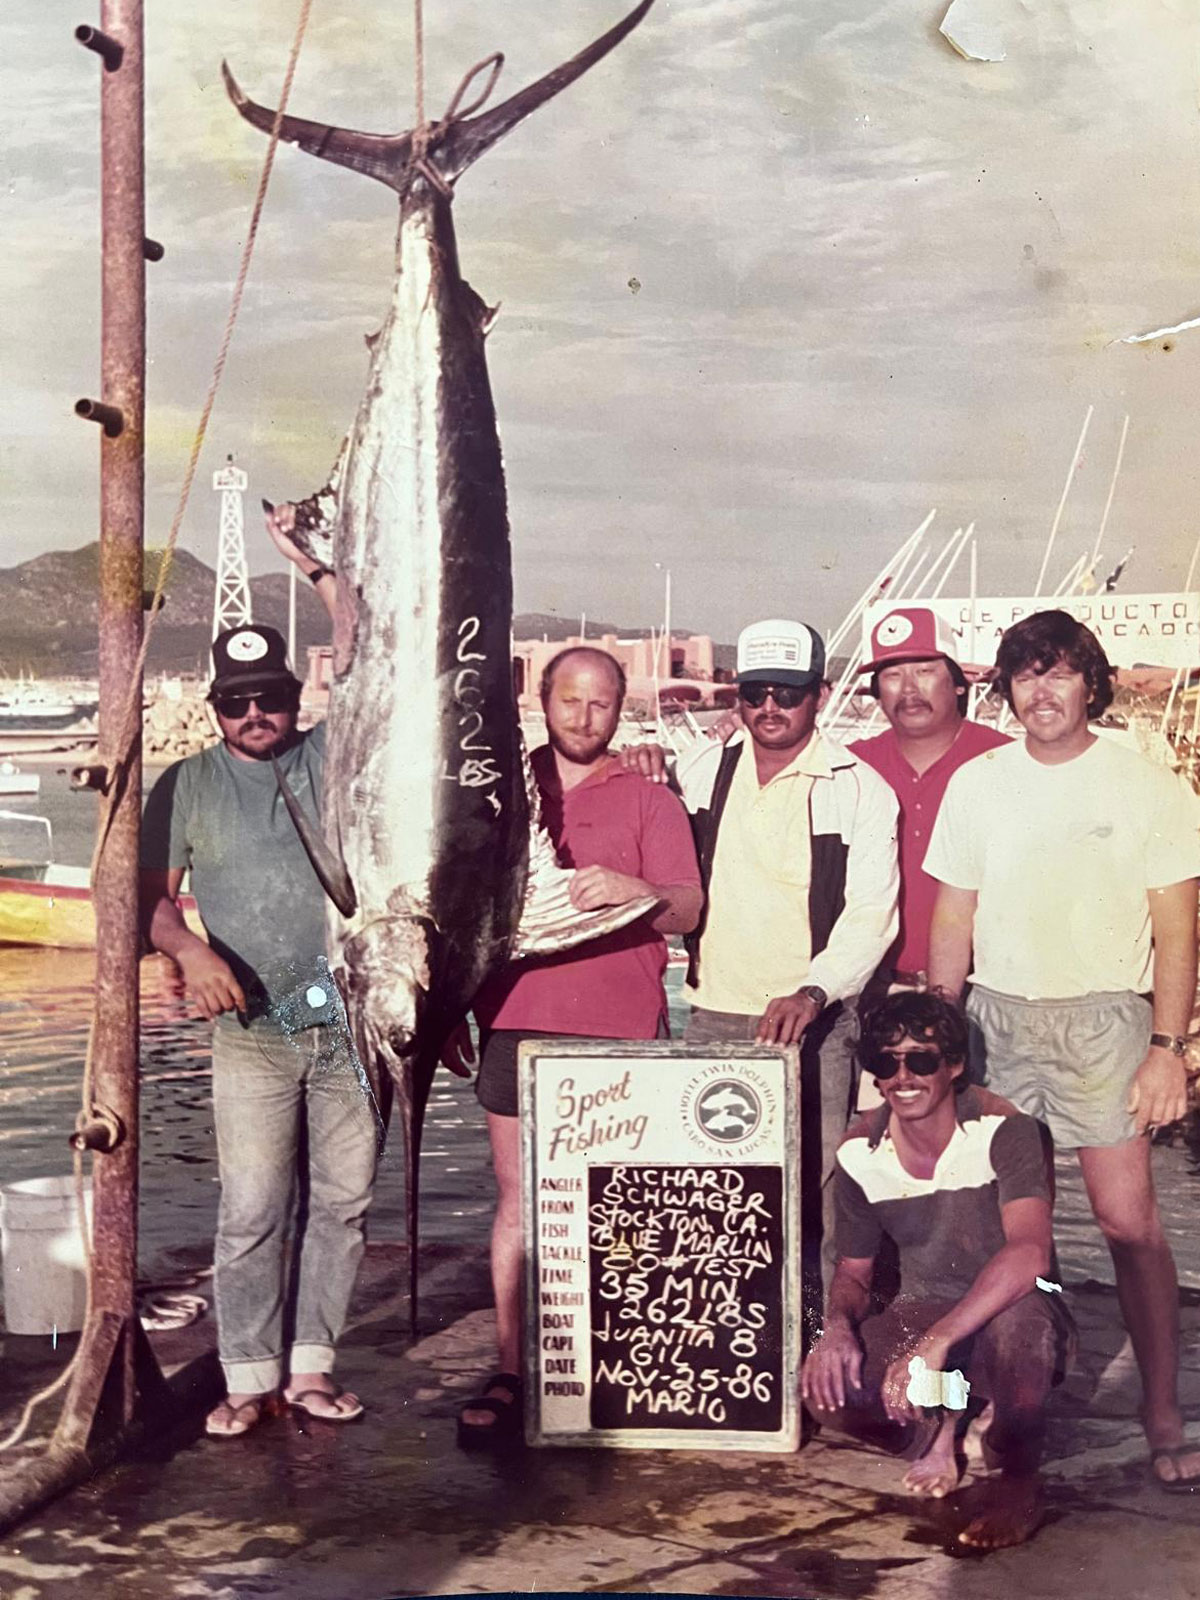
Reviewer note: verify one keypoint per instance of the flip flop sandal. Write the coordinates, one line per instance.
(1172, 1453)
(238, 1419)
(507, 1419)
(303, 1402)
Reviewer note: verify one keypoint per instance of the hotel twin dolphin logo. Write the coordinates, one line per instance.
(728, 1108)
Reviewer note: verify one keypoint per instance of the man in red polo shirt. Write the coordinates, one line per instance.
(626, 838)
(921, 689)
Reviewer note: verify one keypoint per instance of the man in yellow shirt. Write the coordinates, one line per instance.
(797, 844)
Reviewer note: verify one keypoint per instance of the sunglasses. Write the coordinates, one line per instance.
(268, 701)
(785, 695)
(922, 1063)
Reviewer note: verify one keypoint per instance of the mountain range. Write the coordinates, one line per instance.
(50, 606)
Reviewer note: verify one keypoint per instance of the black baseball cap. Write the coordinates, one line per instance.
(249, 657)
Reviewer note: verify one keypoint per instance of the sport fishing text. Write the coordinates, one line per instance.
(575, 1133)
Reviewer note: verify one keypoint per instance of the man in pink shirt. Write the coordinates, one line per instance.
(921, 689)
(626, 838)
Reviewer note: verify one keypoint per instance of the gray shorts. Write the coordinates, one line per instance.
(1068, 1062)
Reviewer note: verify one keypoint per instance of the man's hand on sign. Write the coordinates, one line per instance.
(594, 887)
(1158, 1094)
(210, 982)
(785, 1019)
(458, 1053)
(650, 760)
(834, 1366)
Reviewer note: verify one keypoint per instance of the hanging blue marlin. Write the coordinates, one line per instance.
(433, 854)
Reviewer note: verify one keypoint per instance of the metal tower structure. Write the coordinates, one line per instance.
(231, 607)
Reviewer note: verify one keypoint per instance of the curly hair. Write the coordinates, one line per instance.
(1041, 642)
(924, 1018)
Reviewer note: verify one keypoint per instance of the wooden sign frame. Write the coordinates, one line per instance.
(616, 1106)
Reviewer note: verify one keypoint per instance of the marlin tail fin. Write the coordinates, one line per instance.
(451, 145)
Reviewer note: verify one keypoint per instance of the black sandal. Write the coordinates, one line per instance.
(506, 1422)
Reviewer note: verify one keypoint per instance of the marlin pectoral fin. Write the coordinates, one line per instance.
(549, 922)
(326, 863)
(382, 156)
(465, 141)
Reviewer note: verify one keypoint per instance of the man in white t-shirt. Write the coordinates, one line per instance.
(1071, 863)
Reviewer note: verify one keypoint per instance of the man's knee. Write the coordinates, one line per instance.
(1021, 1353)
(1131, 1227)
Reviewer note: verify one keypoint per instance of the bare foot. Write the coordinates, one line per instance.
(935, 1475)
(1001, 1511)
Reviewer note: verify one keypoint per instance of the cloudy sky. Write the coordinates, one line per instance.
(777, 277)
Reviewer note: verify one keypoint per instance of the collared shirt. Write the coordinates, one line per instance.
(949, 1226)
(850, 906)
(920, 796)
(757, 942)
(609, 988)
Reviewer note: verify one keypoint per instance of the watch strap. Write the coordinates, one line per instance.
(1176, 1043)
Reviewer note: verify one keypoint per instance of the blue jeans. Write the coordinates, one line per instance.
(268, 1087)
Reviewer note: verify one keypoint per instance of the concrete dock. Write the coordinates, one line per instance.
(301, 1510)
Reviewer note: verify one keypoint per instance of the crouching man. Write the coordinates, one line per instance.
(959, 1180)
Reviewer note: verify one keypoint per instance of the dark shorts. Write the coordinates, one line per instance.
(496, 1080)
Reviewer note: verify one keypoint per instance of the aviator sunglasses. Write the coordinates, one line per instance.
(785, 695)
(268, 701)
(922, 1063)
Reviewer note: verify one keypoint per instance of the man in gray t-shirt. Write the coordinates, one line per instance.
(282, 1055)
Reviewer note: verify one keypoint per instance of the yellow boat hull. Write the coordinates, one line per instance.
(58, 915)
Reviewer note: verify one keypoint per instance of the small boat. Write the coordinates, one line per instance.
(14, 781)
(43, 902)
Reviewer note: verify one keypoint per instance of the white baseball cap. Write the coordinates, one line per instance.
(780, 652)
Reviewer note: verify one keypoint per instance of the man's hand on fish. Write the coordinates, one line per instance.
(209, 981)
(785, 1019)
(593, 887)
(458, 1053)
(650, 760)
(280, 523)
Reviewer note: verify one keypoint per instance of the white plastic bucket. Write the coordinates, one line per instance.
(45, 1273)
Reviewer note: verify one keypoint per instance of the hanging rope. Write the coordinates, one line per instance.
(130, 726)
(131, 722)
(419, 29)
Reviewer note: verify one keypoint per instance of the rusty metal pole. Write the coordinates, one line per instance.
(104, 1394)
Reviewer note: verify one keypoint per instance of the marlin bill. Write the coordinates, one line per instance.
(433, 854)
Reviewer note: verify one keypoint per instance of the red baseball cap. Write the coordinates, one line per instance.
(909, 633)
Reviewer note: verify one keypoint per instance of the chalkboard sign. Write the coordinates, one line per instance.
(660, 1199)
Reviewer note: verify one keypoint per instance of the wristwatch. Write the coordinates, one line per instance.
(1176, 1043)
(814, 992)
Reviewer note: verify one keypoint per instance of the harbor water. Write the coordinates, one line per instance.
(45, 1006)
